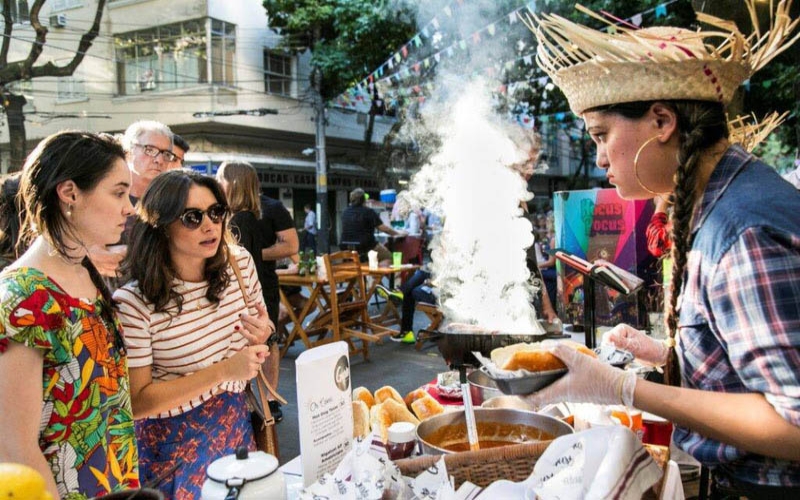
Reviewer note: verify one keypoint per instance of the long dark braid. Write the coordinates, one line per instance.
(701, 125)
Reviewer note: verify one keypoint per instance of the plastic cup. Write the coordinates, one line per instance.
(397, 259)
(656, 430)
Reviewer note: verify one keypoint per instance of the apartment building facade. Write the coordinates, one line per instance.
(210, 69)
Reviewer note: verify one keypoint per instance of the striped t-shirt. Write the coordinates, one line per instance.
(202, 334)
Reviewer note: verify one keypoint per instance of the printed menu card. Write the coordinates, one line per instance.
(324, 408)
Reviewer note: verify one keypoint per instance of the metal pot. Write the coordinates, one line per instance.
(481, 387)
(245, 476)
(428, 427)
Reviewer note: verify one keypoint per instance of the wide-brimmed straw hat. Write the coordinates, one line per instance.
(594, 68)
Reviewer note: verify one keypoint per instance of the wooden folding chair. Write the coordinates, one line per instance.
(350, 318)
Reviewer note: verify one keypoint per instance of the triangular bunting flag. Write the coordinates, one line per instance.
(476, 38)
(398, 57)
(438, 56)
(637, 19)
(435, 23)
(417, 89)
(450, 51)
(509, 65)
(426, 62)
(661, 11)
(463, 45)
(391, 63)
(512, 18)
(416, 41)
(404, 51)
(490, 29)
(612, 29)
(527, 59)
(416, 68)
(425, 32)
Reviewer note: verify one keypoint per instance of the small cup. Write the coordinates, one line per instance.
(397, 259)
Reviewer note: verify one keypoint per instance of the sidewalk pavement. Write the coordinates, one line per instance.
(398, 365)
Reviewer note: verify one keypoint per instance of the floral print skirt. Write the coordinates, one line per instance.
(175, 451)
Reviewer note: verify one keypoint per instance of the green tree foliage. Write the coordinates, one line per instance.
(348, 38)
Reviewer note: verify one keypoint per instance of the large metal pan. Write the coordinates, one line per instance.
(486, 418)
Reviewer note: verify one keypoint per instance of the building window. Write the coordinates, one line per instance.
(277, 72)
(174, 56)
(57, 5)
(19, 11)
(71, 88)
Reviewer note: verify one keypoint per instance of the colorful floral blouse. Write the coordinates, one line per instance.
(86, 431)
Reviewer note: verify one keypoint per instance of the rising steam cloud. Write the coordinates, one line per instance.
(479, 258)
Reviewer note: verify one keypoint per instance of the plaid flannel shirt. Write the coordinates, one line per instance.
(740, 306)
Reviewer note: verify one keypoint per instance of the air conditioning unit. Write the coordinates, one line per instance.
(58, 21)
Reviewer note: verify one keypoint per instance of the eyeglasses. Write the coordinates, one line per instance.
(193, 217)
(153, 152)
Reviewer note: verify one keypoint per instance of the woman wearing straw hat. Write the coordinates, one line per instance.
(654, 103)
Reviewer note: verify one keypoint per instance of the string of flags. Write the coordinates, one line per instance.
(381, 86)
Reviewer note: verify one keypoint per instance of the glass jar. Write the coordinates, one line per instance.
(402, 440)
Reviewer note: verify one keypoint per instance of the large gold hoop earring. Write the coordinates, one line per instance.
(636, 166)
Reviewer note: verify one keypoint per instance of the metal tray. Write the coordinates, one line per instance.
(522, 386)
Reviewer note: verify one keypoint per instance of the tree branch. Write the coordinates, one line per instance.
(37, 46)
(6, 32)
(50, 69)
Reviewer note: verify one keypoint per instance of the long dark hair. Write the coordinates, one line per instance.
(701, 125)
(85, 159)
(148, 260)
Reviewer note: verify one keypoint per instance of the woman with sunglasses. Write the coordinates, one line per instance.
(64, 392)
(192, 340)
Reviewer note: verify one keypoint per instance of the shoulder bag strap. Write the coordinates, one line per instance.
(263, 384)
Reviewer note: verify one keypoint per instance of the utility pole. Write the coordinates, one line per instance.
(323, 220)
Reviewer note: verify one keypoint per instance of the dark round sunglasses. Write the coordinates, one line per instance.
(193, 217)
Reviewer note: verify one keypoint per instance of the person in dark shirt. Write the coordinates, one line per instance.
(280, 240)
(358, 229)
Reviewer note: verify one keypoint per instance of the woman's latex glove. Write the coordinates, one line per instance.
(589, 380)
(645, 348)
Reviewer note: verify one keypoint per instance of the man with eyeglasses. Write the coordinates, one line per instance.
(148, 146)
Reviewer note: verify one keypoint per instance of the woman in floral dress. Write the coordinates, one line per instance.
(64, 387)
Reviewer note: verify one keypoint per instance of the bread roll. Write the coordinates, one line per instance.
(535, 359)
(426, 407)
(415, 395)
(501, 355)
(382, 415)
(364, 395)
(387, 392)
(360, 418)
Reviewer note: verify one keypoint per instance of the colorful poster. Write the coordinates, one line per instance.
(598, 224)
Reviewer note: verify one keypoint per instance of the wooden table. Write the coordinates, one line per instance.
(318, 300)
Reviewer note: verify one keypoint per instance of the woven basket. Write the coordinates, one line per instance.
(514, 463)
